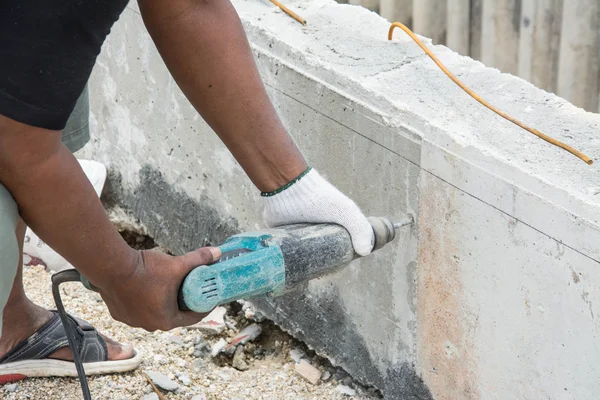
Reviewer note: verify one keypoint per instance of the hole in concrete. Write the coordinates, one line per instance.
(137, 240)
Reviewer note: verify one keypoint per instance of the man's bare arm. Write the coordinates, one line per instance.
(205, 48)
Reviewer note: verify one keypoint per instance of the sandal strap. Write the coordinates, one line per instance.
(52, 337)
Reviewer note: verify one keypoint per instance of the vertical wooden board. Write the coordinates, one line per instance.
(458, 26)
(429, 19)
(546, 42)
(372, 5)
(528, 26)
(475, 26)
(488, 32)
(579, 54)
(397, 10)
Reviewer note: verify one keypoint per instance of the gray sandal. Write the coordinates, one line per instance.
(28, 358)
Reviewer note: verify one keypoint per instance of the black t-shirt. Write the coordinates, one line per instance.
(47, 52)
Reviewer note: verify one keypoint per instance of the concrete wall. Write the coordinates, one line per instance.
(493, 295)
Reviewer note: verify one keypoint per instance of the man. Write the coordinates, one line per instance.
(47, 51)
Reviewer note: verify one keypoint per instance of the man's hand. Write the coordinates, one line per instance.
(313, 199)
(148, 298)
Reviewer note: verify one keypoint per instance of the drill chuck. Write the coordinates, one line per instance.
(273, 261)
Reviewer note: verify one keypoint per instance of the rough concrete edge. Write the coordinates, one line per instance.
(393, 116)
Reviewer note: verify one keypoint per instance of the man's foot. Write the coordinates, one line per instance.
(38, 317)
(37, 346)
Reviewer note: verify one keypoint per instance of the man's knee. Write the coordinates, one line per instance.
(9, 247)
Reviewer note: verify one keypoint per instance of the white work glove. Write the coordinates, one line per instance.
(313, 199)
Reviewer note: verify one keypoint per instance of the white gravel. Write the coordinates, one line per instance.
(270, 374)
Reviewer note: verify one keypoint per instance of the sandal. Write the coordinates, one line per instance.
(27, 359)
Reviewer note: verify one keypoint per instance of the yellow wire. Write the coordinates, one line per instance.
(485, 103)
(289, 12)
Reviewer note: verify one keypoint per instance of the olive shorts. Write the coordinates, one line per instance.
(75, 135)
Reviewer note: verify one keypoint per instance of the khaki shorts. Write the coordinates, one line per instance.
(75, 135)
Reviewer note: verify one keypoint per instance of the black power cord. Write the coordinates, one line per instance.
(70, 275)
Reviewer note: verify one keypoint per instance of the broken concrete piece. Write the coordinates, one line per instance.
(247, 334)
(213, 323)
(325, 376)
(183, 378)
(308, 372)
(162, 381)
(150, 396)
(239, 359)
(11, 388)
(343, 389)
(250, 311)
(218, 347)
(296, 355)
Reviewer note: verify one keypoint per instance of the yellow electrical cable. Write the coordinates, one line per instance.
(289, 12)
(485, 103)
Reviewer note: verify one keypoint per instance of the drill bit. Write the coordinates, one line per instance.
(409, 220)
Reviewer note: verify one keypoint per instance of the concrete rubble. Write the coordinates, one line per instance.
(213, 323)
(162, 381)
(308, 372)
(343, 389)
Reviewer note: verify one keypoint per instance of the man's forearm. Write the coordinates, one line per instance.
(206, 50)
(57, 201)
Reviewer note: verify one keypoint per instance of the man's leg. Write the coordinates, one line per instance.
(21, 318)
(9, 249)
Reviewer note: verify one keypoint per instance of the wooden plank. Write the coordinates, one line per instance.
(397, 10)
(579, 57)
(500, 34)
(528, 26)
(546, 44)
(458, 26)
(429, 19)
(539, 42)
(475, 34)
(372, 5)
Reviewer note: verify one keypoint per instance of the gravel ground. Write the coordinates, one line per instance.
(270, 374)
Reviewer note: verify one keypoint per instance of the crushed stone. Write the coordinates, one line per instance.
(270, 375)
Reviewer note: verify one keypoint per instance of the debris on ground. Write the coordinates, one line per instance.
(308, 372)
(297, 355)
(162, 381)
(239, 360)
(343, 389)
(213, 323)
(150, 396)
(247, 334)
(247, 360)
(11, 388)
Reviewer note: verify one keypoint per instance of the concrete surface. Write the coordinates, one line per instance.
(491, 296)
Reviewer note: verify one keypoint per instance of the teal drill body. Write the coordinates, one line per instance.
(274, 261)
(248, 268)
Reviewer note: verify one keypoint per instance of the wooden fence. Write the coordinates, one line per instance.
(555, 44)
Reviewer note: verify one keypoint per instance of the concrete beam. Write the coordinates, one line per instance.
(491, 295)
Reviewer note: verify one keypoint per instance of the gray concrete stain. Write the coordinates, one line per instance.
(174, 219)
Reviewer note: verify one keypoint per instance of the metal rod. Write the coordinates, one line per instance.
(409, 220)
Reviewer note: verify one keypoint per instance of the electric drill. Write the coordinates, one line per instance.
(271, 262)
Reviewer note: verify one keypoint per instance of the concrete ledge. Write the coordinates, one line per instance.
(492, 295)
